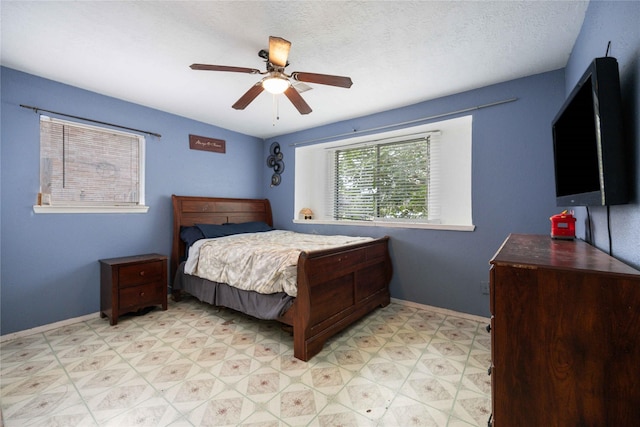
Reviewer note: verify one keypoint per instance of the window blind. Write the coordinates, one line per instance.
(390, 181)
(87, 165)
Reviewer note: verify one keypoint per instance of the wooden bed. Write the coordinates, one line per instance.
(336, 287)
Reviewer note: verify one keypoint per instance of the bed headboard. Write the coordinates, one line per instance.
(190, 210)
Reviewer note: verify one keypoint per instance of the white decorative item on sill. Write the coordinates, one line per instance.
(306, 213)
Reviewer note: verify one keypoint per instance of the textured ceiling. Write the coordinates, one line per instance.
(397, 53)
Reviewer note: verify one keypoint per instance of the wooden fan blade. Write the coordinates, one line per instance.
(297, 101)
(207, 67)
(249, 96)
(278, 51)
(323, 79)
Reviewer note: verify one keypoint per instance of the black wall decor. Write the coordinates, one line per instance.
(275, 162)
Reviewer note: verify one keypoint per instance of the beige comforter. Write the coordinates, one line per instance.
(261, 262)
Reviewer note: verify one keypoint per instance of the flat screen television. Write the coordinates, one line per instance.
(588, 144)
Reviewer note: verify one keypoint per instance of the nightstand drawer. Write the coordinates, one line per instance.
(131, 275)
(139, 296)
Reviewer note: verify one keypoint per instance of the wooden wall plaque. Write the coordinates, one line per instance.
(207, 144)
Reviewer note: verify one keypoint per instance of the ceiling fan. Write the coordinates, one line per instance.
(276, 80)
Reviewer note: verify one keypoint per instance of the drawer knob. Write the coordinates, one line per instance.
(141, 294)
(142, 273)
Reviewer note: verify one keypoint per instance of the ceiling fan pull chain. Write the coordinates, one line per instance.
(276, 109)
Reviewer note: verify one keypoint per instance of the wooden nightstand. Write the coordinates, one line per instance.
(132, 283)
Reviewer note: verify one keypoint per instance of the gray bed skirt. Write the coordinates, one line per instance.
(262, 306)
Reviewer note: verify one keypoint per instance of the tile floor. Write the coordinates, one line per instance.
(196, 365)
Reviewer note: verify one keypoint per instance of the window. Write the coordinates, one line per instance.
(382, 181)
(418, 177)
(89, 169)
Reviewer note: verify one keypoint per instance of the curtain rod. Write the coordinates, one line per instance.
(437, 116)
(36, 109)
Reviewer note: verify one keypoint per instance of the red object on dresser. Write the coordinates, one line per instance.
(563, 226)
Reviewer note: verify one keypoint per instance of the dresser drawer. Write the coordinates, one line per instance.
(135, 274)
(140, 296)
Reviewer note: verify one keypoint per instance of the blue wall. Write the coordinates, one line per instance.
(49, 270)
(49, 267)
(618, 22)
(512, 185)
(49, 262)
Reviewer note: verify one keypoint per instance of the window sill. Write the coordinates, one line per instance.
(49, 209)
(389, 224)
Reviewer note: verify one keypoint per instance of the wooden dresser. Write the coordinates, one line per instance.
(565, 335)
(132, 283)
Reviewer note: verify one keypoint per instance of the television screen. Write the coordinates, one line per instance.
(589, 155)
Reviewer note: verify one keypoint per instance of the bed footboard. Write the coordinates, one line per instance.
(335, 288)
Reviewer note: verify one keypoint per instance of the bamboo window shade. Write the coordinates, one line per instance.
(88, 165)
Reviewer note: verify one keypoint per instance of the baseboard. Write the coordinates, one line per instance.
(50, 326)
(47, 327)
(442, 310)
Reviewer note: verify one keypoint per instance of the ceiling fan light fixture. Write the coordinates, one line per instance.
(275, 84)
